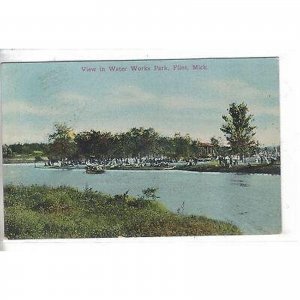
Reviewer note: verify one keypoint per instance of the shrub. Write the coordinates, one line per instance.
(63, 212)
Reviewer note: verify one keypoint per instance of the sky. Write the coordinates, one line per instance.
(175, 97)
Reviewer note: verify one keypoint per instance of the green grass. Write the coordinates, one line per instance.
(36, 212)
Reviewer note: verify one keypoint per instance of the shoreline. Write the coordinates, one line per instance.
(254, 169)
(34, 212)
(205, 168)
(242, 169)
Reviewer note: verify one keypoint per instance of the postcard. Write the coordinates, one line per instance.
(141, 148)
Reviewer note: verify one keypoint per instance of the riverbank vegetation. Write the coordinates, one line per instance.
(36, 212)
(65, 143)
(271, 169)
(137, 142)
(145, 148)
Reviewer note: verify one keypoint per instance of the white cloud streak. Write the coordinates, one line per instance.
(80, 109)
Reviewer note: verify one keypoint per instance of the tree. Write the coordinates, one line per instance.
(62, 145)
(84, 144)
(142, 141)
(99, 143)
(6, 151)
(121, 147)
(182, 145)
(216, 144)
(238, 129)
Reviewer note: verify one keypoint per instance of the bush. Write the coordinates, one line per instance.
(64, 212)
(23, 223)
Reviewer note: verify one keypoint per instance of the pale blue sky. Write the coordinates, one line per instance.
(36, 95)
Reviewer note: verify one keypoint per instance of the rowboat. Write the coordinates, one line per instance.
(94, 170)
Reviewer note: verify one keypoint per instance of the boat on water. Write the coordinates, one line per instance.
(94, 170)
(169, 168)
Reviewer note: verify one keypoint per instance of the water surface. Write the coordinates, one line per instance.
(250, 201)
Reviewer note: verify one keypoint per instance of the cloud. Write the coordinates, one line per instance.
(63, 105)
(261, 110)
(130, 95)
(238, 89)
(268, 136)
(26, 107)
(223, 92)
(126, 96)
(13, 132)
(72, 98)
(126, 106)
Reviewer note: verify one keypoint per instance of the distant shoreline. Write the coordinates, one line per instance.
(243, 169)
(18, 161)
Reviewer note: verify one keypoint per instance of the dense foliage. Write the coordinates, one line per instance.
(64, 143)
(137, 142)
(43, 212)
(24, 149)
(238, 129)
(61, 142)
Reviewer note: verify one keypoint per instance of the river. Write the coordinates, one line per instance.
(250, 201)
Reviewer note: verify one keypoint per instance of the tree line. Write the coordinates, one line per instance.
(136, 142)
(140, 142)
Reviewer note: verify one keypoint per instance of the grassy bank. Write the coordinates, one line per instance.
(23, 159)
(63, 212)
(19, 160)
(253, 169)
